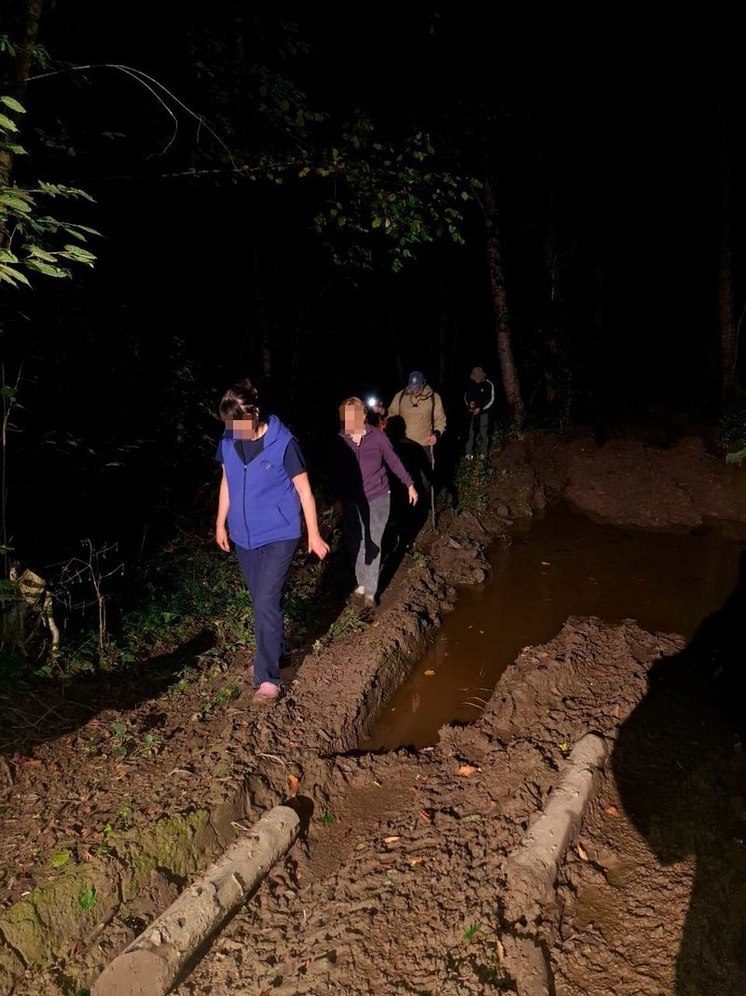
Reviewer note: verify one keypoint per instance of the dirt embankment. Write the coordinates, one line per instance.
(396, 887)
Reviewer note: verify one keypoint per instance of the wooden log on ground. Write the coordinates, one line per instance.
(531, 870)
(156, 960)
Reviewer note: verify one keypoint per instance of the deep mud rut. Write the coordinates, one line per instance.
(396, 885)
(401, 892)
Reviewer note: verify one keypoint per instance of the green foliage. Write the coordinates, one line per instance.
(87, 900)
(379, 194)
(348, 622)
(218, 700)
(389, 197)
(195, 587)
(473, 481)
(732, 432)
(302, 602)
(33, 242)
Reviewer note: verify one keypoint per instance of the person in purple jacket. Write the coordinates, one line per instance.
(262, 493)
(361, 491)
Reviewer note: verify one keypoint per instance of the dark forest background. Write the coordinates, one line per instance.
(586, 169)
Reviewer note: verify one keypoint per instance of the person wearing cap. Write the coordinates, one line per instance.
(479, 398)
(421, 409)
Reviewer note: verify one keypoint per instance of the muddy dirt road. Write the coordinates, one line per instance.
(397, 883)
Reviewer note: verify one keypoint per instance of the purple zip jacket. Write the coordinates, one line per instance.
(359, 472)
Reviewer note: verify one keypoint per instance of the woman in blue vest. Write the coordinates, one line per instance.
(263, 491)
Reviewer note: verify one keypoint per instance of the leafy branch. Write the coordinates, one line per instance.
(29, 238)
(401, 196)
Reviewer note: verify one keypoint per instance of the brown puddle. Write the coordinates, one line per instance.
(564, 565)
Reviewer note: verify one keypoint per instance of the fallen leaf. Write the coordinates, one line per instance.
(616, 711)
(429, 674)
(416, 860)
(293, 785)
(424, 816)
(390, 840)
(546, 563)
(472, 818)
(582, 853)
(611, 811)
(467, 770)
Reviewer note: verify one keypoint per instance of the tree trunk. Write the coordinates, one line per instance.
(443, 339)
(727, 334)
(27, 42)
(510, 382)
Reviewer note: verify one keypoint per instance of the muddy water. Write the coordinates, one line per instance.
(563, 565)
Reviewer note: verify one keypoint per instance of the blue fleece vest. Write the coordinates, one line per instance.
(264, 505)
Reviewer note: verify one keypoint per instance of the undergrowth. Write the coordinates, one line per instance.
(732, 431)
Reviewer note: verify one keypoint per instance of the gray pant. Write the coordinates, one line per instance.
(364, 524)
(478, 423)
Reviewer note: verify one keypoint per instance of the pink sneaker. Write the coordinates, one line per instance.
(267, 693)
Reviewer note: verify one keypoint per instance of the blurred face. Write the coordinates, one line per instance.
(415, 391)
(244, 428)
(354, 419)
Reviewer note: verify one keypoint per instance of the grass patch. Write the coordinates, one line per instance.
(473, 480)
(732, 432)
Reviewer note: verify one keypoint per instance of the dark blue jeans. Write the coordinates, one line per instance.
(266, 572)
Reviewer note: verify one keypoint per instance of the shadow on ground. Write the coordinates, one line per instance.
(678, 764)
(39, 709)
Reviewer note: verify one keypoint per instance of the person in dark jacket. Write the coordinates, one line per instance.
(479, 398)
(361, 491)
(263, 490)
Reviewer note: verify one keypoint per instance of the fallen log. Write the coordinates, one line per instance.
(158, 958)
(531, 870)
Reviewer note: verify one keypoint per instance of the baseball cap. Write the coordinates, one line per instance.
(416, 379)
